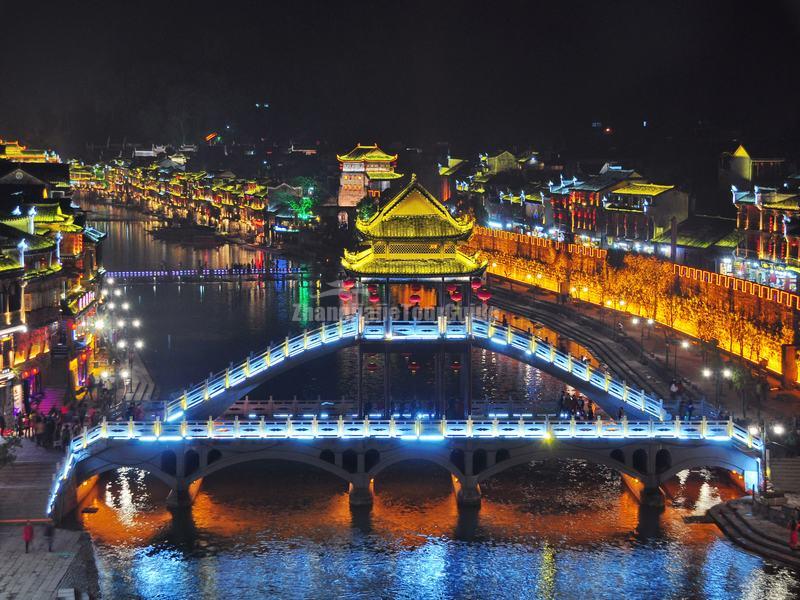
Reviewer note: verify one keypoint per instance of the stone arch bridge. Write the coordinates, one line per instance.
(181, 454)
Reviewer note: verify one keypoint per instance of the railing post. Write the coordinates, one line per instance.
(130, 427)
(227, 377)
(206, 395)
(532, 344)
(624, 425)
(341, 426)
(322, 334)
(678, 426)
(417, 426)
(625, 393)
(268, 357)
(286, 347)
(184, 401)
(469, 426)
(495, 427)
(157, 427)
(730, 427)
(365, 425)
(443, 426)
(521, 426)
(703, 427)
(305, 339)
(573, 429)
(247, 366)
(569, 363)
(289, 427)
(599, 426)
(749, 438)
(468, 323)
(490, 329)
(85, 435)
(210, 427)
(391, 426)
(340, 328)
(262, 429)
(607, 381)
(104, 428)
(184, 428)
(236, 426)
(508, 335)
(552, 353)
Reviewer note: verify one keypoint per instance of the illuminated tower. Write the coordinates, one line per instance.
(366, 171)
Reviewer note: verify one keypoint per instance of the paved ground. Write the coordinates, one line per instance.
(24, 488)
(25, 483)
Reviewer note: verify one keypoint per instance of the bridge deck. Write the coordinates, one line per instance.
(355, 329)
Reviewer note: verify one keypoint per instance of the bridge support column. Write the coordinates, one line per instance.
(180, 497)
(652, 497)
(468, 492)
(360, 494)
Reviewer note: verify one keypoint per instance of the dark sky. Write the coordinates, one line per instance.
(496, 71)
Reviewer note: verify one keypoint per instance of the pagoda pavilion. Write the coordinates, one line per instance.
(366, 171)
(410, 261)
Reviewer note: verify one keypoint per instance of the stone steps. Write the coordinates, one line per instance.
(786, 474)
(758, 542)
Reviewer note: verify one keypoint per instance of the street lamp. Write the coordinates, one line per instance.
(136, 323)
(111, 306)
(125, 306)
(139, 344)
(118, 292)
(122, 344)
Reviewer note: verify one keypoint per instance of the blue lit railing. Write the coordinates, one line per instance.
(524, 344)
(157, 431)
(221, 272)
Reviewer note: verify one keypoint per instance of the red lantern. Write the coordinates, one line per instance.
(415, 287)
(451, 287)
(372, 367)
(348, 284)
(35, 371)
(456, 365)
(374, 298)
(25, 375)
(345, 296)
(413, 366)
(484, 294)
(476, 283)
(456, 296)
(372, 288)
(73, 326)
(414, 299)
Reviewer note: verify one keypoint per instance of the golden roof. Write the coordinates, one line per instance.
(366, 153)
(414, 213)
(642, 189)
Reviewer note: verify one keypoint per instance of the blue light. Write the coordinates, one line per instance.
(431, 438)
(175, 417)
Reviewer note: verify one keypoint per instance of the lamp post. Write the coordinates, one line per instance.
(637, 321)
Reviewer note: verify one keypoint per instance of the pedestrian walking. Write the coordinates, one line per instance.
(27, 535)
(49, 534)
(793, 526)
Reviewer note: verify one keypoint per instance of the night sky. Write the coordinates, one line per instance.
(417, 72)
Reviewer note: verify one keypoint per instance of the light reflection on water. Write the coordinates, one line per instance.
(552, 530)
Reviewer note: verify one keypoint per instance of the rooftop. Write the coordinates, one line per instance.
(366, 153)
(643, 189)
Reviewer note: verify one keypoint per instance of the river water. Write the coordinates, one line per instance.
(547, 530)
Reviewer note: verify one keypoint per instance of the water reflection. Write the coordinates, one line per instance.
(549, 530)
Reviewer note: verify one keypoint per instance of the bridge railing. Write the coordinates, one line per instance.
(84, 445)
(204, 272)
(523, 343)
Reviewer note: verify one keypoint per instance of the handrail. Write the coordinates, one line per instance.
(356, 327)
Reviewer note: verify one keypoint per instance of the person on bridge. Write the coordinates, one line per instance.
(793, 527)
(27, 535)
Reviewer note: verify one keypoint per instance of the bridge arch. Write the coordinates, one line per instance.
(397, 456)
(231, 459)
(85, 471)
(242, 382)
(539, 454)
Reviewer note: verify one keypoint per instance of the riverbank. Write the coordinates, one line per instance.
(755, 527)
(24, 489)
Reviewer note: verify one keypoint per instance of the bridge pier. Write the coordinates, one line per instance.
(183, 495)
(360, 494)
(652, 497)
(468, 492)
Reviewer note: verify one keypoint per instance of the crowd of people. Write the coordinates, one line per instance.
(577, 406)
